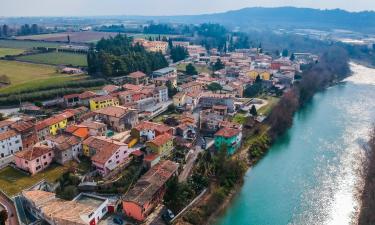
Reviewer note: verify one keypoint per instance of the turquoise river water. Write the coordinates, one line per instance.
(312, 174)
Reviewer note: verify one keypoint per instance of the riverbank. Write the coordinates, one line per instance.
(332, 67)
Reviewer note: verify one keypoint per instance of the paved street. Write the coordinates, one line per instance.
(12, 214)
(189, 164)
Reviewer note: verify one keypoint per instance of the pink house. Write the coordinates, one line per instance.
(109, 154)
(35, 159)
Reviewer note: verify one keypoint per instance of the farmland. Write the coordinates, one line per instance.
(78, 37)
(10, 51)
(27, 44)
(57, 58)
(28, 76)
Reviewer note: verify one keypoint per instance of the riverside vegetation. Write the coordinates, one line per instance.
(225, 173)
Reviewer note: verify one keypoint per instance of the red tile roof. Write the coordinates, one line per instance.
(227, 132)
(137, 74)
(114, 111)
(33, 153)
(146, 125)
(162, 139)
(87, 95)
(7, 134)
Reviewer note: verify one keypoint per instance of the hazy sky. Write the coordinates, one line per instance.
(159, 7)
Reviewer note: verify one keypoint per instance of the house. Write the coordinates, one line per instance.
(10, 143)
(26, 128)
(35, 159)
(82, 132)
(163, 81)
(84, 98)
(137, 78)
(165, 72)
(179, 99)
(146, 131)
(95, 128)
(110, 88)
(192, 86)
(52, 125)
(209, 122)
(160, 94)
(5, 125)
(149, 190)
(229, 138)
(162, 144)
(106, 154)
(207, 100)
(118, 118)
(85, 209)
(71, 100)
(186, 130)
(70, 70)
(153, 46)
(103, 101)
(66, 147)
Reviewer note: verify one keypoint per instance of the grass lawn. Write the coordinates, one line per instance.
(265, 110)
(13, 181)
(200, 68)
(239, 118)
(10, 51)
(57, 58)
(28, 76)
(27, 44)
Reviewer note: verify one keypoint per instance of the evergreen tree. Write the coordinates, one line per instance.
(292, 57)
(218, 65)
(285, 53)
(179, 53)
(253, 111)
(191, 70)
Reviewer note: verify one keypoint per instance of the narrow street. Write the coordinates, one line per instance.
(189, 164)
(12, 214)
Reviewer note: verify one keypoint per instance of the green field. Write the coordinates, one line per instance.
(199, 68)
(28, 76)
(10, 51)
(13, 181)
(265, 110)
(27, 44)
(57, 58)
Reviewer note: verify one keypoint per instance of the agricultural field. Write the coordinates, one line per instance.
(56, 58)
(19, 44)
(13, 181)
(28, 76)
(10, 51)
(78, 37)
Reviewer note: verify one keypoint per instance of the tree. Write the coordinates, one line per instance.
(214, 87)
(292, 57)
(68, 37)
(172, 91)
(253, 111)
(5, 30)
(218, 65)
(191, 70)
(285, 53)
(179, 53)
(3, 217)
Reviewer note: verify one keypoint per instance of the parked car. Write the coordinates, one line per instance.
(168, 215)
(118, 220)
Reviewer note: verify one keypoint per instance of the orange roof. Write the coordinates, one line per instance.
(6, 123)
(110, 88)
(53, 120)
(78, 130)
(227, 132)
(71, 96)
(161, 139)
(132, 87)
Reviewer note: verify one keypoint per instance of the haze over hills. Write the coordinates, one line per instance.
(284, 17)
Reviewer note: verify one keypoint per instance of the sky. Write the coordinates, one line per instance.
(13, 8)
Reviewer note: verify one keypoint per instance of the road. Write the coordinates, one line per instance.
(189, 164)
(9, 205)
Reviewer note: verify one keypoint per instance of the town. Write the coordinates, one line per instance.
(108, 155)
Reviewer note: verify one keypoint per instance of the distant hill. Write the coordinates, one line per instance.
(285, 17)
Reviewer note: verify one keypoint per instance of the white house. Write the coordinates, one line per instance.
(10, 143)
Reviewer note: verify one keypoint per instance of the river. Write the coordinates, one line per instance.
(312, 174)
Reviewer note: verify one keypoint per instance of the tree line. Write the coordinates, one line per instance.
(118, 56)
(332, 66)
(26, 29)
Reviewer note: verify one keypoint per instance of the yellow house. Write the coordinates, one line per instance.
(103, 101)
(179, 99)
(51, 125)
(162, 144)
(264, 75)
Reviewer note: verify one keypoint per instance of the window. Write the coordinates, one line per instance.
(44, 157)
(17, 141)
(49, 154)
(45, 163)
(37, 160)
(26, 162)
